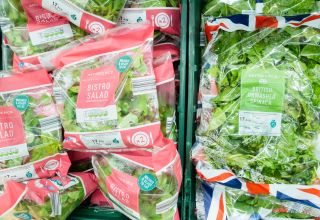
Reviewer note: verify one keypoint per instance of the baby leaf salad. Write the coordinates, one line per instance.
(260, 103)
(44, 199)
(34, 30)
(110, 93)
(141, 184)
(30, 128)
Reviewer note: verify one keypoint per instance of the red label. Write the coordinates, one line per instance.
(11, 127)
(97, 87)
(39, 18)
(124, 188)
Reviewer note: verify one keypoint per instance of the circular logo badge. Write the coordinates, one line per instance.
(21, 102)
(162, 20)
(96, 28)
(147, 182)
(123, 63)
(141, 139)
(273, 124)
(51, 165)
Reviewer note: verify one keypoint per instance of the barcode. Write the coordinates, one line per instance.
(202, 39)
(58, 95)
(143, 85)
(51, 123)
(166, 205)
(55, 204)
(170, 122)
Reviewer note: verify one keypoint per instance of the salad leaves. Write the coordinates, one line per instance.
(167, 186)
(290, 157)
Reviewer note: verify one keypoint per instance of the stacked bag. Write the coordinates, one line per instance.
(87, 112)
(257, 146)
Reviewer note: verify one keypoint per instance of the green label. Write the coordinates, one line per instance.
(123, 63)
(147, 182)
(23, 215)
(21, 102)
(262, 90)
(261, 103)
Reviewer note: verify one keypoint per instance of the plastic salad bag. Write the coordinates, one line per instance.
(54, 198)
(141, 184)
(164, 15)
(164, 72)
(34, 30)
(260, 100)
(30, 128)
(109, 101)
(91, 16)
(214, 201)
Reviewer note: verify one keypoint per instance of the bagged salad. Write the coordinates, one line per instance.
(164, 72)
(141, 184)
(92, 16)
(109, 101)
(30, 127)
(260, 101)
(164, 15)
(34, 30)
(54, 198)
(214, 201)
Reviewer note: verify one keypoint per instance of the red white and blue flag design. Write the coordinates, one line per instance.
(248, 22)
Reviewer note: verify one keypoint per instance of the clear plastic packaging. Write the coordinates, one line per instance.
(34, 30)
(141, 184)
(109, 101)
(30, 127)
(259, 92)
(165, 78)
(43, 199)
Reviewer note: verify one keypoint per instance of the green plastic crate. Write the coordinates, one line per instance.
(194, 66)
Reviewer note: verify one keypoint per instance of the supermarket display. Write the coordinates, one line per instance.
(87, 99)
(53, 198)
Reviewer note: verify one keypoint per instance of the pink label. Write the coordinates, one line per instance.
(96, 98)
(164, 71)
(94, 24)
(124, 189)
(138, 137)
(97, 87)
(12, 136)
(43, 25)
(166, 20)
